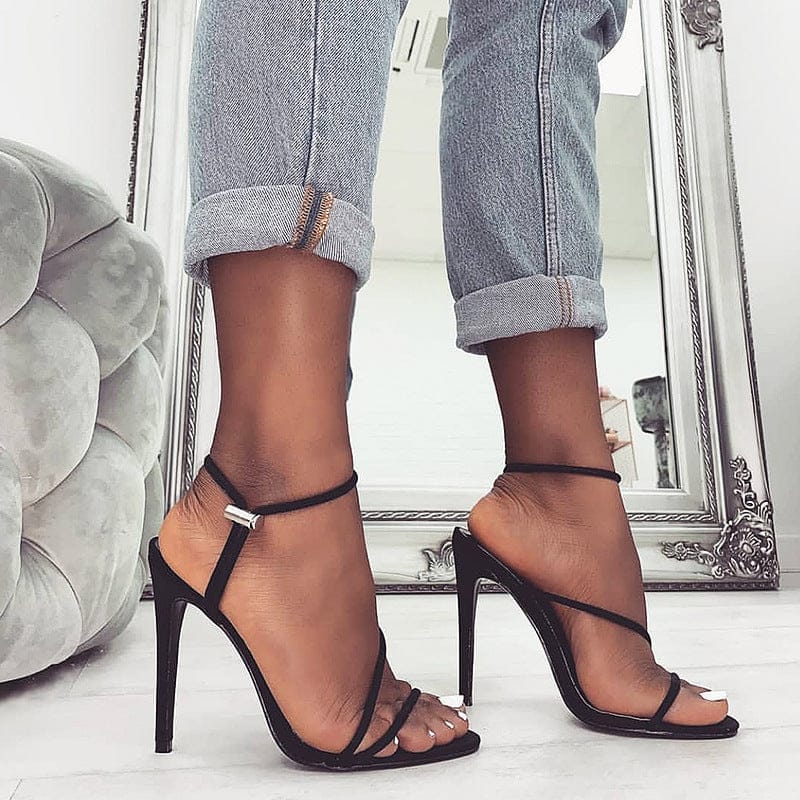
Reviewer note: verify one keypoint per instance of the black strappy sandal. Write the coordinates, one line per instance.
(171, 594)
(474, 564)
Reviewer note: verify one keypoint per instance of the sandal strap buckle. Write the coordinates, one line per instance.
(241, 517)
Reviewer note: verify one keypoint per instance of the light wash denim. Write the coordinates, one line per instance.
(286, 108)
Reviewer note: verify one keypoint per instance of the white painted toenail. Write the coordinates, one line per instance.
(462, 715)
(714, 696)
(431, 734)
(449, 724)
(396, 742)
(452, 700)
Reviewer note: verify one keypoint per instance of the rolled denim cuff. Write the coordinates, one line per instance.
(527, 305)
(258, 217)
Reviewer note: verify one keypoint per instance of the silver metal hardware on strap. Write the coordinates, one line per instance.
(241, 517)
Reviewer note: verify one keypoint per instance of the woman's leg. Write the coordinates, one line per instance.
(286, 110)
(524, 254)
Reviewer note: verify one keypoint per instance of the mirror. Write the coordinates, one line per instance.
(676, 369)
(440, 402)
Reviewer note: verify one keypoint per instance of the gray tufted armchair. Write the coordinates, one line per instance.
(83, 318)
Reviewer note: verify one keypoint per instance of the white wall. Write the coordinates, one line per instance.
(763, 62)
(68, 72)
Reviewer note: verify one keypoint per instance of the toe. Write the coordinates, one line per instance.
(691, 709)
(444, 730)
(413, 737)
(390, 749)
(416, 736)
(443, 721)
(432, 723)
(455, 719)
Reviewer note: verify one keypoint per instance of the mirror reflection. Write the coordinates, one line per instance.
(409, 428)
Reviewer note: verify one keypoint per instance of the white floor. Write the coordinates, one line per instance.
(83, 730)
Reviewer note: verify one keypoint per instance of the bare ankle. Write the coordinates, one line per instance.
(264, 473)
(560, 494)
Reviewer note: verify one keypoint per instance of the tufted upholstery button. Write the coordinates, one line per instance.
(83, 321)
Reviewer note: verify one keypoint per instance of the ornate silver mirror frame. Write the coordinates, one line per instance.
(716, 531)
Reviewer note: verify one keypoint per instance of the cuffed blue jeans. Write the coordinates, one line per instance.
(286, 107)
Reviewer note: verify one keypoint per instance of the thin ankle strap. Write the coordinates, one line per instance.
(565, 468)
(244, 520)
(275, 508)
(222, 481)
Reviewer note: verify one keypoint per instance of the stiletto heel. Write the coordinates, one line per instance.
(467, 584)
(171, 597)
(169, 619)
(474, 563)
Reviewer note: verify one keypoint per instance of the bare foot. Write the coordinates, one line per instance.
(569, 535)
(302, 598)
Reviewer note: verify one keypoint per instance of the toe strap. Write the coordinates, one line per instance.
(669, 698)
(371, 699)
(603, 613)
(348, 755)
(394, 728)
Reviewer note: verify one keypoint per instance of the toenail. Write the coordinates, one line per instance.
(449, 724)
(396, 742)
(452, 700)
(714, 696)
(462, 715)
(431, 734)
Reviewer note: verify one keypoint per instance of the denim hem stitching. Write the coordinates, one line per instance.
(571, 302)
(321, 223)
(311, 221)
(560, 299)
(303, 216)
